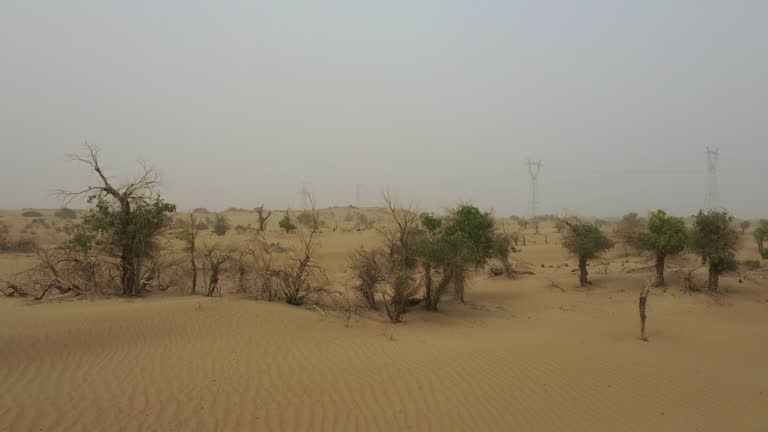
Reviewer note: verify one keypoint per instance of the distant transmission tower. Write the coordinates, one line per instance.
(712, 197)
(534, 168)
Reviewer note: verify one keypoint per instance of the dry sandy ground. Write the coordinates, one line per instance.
(521, 356)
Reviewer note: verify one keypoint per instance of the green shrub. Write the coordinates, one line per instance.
(286, 224)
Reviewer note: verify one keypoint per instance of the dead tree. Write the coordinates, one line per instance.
(300, 277)
(368, 269)
(216, 258)
(398, 240)
(51, 272)
(11, 289)
(262, 217)
(642, 305)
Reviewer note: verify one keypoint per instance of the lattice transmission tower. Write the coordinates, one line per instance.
(534, 169)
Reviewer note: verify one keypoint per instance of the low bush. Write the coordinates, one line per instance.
(66, 213)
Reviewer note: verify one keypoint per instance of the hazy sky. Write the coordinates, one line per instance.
(239, 103)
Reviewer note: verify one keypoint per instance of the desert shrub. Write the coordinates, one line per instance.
(25, 244)
(349, 217)
(201, 210)
(586, 242)
(32, 214)
(221, 225)
(666, 235)
(202, 226)
(66, 213)
(367, 267)
(714, 238)
(500, 249)
(286, 224)
(305, 218)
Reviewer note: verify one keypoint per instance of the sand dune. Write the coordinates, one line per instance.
(520, 357)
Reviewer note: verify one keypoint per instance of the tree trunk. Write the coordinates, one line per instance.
(703, 260)
(660, 270)
(445, 282)
(583, 273)
(194, 276)
(427, 285)
(642, 305)
(713, 280)
(459, 280)
(213, 283)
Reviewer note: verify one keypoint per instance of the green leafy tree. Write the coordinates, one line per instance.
(666, 236)
(761, 234)
(286, 223)
(465, 239)
(714, 238)
(586, 242)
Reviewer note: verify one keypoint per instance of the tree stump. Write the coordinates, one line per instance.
(642, 306)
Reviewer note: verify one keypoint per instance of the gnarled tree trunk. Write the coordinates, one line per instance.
(660, 270)
(583, 273)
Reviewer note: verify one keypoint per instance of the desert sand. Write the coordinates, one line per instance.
(520, 355)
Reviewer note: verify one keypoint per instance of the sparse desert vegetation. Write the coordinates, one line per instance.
(545, 301)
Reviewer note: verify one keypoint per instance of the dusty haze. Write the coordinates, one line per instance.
(241, 103)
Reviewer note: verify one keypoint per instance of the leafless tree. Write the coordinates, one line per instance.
(367, 266)
(190, 236)
(216, 257)
(262, 217)
(398, 239)
(299, 276)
